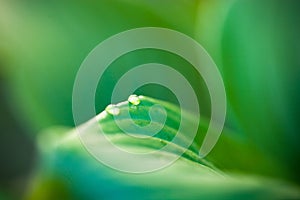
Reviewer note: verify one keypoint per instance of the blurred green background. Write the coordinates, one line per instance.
(254, 43)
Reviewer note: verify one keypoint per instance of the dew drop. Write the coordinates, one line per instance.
(112, 109)
(134, 100)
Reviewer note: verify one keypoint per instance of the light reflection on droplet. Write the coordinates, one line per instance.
(134, 100)
(112, 109)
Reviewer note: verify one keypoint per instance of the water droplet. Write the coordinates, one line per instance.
(134, 100)
(112, 109)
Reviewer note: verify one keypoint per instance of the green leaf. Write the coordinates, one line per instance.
(69, 171)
